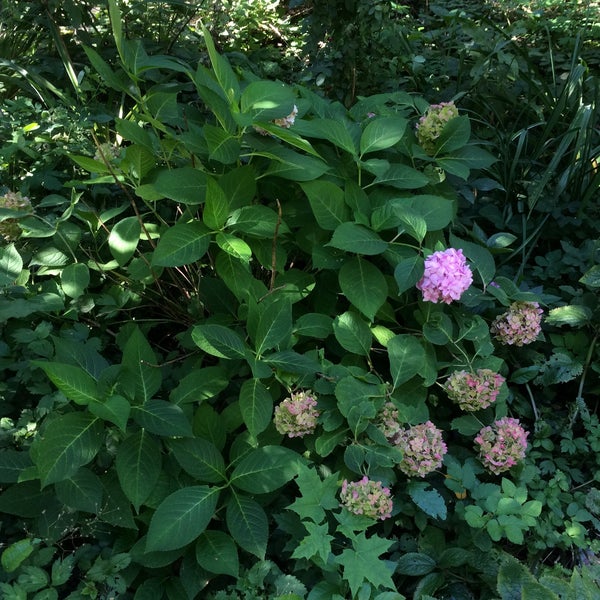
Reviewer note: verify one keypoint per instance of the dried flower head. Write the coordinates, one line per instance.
(423, 449)
(502, 444)
(297, 416)
(446, 276)
(9, 228)
(474, 391)
(368, 498)
(387, 420)
(432, 123)
(519, 325)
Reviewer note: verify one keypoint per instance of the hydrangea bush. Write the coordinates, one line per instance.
(167, 305)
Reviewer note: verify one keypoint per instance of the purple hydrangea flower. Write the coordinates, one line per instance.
(297, 416)
(474, 391)
(520, 325)
(446, 276)
(423, 449)
(388, 421)
(502, 444)
(368, 498)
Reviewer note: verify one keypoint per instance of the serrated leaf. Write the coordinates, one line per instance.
(256, 406)
(74, 279)
(182, 244)
(139, 367)
(352, 333)
(82, 492)
(138, 465)
(219, 341)
(67, 443)
(199, 458)
(247, 522)
(75, 383)
(428, 500)
(217, 553)
(265, 469)
(115, 409)
(364, 285)
(123, 239)
(181, 517)
(573, 314)
(406, 356)
(327, 203)
(162, 418)
(381, 133)
(415, 564)
(274, 326)
(358, 239)
(16, 554)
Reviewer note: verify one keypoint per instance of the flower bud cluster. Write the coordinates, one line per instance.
(9, 228)
(423, 449)
(432, 123)
(474, 391)
(368, 498)
(446, 276)
(297, 416)
(502, 444)
(520, 325)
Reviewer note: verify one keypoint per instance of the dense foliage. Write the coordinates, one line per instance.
(288, 317)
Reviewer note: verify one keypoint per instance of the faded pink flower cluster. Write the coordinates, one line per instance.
(423, 449)
(297, 416)
(520, 325)
(432, 123)
(502, 444)
(446, 276)
(9, 228)
(474, 391)
(388, 420)
(368, 498)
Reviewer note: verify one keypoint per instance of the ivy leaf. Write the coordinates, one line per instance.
(362, 563)
(317, 542)
(317, 495)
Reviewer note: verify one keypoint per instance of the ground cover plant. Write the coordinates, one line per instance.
(261, 343)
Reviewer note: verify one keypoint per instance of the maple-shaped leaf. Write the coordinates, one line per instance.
(317, 495)
(317, 542)
(362, 563)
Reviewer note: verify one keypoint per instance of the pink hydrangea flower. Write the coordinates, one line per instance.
(387, 420)
(432, 123)
(474, 391)
(368, 498)
(297, 416)
(423, 449)
(502, 444)
(520, 325)
(446, 276)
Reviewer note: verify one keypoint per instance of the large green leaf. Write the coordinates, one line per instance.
(294, 166)
(336, 132)
(222, 70)
(327, 202)
(256, 221)
(222, 146)
(267, 100)
(406, 355)
(11, 265)
(402, 177)
(248, 524)
(200, 458)
(352, 333)
(199, 385)
(162, 418)
(67, 443)
(123, 239)
(12, 463)
(217, 553)
(381, 133)
(182, 244)
(274, 325)
(266, 469)
(138, 463)
(216, 206)
(115, 409)
(352, 237)
(83, 491)
(185, 184)
(364, 285)
(139, 366)
(181, 517)
(74, 279)
(256, 405)
(455, 135)
(75, 383)
(219, 341)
